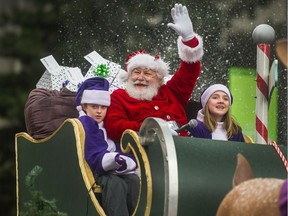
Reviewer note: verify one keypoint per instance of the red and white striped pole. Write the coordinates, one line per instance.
(263, 35)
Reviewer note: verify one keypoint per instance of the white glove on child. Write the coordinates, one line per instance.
(182, 23)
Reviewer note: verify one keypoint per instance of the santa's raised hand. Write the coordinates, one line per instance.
(182, 23)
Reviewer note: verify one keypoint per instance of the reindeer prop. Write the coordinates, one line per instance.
(254, 196)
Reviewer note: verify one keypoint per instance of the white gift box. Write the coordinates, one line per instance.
(56, 77)
(114, 70)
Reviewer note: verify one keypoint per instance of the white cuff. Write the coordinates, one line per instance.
(189, 54)
(131, 165)
(108, 161)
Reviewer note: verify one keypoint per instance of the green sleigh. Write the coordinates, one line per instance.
(179, 175)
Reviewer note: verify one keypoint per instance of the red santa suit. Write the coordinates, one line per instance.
(169, 104)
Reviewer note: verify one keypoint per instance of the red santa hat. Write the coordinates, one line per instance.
(141, 58)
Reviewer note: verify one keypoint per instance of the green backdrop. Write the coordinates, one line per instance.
(243, 88)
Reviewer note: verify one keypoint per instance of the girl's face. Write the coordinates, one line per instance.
(95, 111)
(218, 105)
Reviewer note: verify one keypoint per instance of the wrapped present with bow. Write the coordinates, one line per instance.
(56, 77)
(101, 67)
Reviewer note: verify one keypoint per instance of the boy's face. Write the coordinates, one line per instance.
(95, 111)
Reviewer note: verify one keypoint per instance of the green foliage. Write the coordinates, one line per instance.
(38, 205)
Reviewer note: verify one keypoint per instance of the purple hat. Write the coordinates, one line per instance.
(94, 90)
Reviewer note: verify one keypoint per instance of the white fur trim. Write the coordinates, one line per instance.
(122, 75)
(108, 161)
(210, 90)
(111, 145)
(147, 61)
(189, 54)
(96, 97)
(200, 115)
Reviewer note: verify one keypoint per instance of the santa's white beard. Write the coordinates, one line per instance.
(147, 94)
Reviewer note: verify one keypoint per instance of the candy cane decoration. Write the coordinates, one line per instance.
(263, 35)
(279, 152)
(263, 51)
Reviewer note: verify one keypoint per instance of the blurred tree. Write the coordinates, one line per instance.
(28, 32)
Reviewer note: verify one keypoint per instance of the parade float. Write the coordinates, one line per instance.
(179, 175)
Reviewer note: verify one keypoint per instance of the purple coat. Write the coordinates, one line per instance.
(202, 132)
(96, 145)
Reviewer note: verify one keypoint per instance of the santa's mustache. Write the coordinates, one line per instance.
(138, 82)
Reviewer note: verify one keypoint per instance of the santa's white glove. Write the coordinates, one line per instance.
(182, 23)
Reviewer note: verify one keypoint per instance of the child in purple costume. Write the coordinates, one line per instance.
(214, 119)
(113, 170)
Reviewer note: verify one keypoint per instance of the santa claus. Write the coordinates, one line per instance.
(146, 94)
